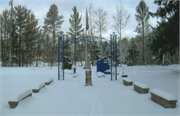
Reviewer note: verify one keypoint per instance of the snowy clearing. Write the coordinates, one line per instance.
(70, 97)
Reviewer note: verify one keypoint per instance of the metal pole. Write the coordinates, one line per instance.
(58, 57)
(63, 57)
(116, 57)
(111, 56)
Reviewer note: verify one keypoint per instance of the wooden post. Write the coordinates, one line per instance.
(88, 71)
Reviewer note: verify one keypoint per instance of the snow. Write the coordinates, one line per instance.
(19, 95)
(24, 94)
(100, 74)
(128, 80)
(142, 85)
(163, 94)
(38, 86)
(49, 80)
(70, 97)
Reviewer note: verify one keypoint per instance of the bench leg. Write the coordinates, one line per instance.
(13, 104)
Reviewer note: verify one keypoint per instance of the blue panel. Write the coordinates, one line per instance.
(102, 66)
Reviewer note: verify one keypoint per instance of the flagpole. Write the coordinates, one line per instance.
(86, 34)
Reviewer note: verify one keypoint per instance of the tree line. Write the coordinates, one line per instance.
(24, 42)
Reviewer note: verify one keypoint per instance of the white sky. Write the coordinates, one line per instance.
(41, 7)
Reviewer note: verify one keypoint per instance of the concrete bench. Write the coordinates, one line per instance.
(127, 82)
(37, 88)
(163, 98)
(17, 99)
(49, 81)
(141, 88)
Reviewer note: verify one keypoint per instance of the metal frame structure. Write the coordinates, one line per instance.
(113, 47)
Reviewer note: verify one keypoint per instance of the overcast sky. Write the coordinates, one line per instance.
(41, 7)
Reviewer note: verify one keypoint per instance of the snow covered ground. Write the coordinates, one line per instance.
(70, 97)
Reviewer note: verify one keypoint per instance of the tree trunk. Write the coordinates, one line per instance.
(75, 52)
(143, 44)
(101, 44)
(20, 46)
(53, 45)
(121, 49)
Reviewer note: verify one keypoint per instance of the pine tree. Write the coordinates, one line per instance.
(76, 28)
(97, 52)
(132, 53)
(31, 38)
(165, 37)
(14, 44)
(1, 37)
(53, 22)
(142, 17)
(5, 33)
(21, 13)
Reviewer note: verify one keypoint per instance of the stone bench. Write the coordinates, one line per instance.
(163, 98)
(37, 88)
(49, 81)
(21, 96)
(141, 88)
(127, 82)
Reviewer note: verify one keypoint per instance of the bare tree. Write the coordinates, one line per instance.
(101, 21)
(91, 14)
(121, 19)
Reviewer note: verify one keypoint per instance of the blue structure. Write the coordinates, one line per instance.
(101, 65)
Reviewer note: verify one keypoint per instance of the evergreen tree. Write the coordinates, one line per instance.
(165, 37)
(76, 27)
(14, 44)
(5, 25)
(97, 52)
(30, 38)
(21, 13)
(53, 22)
(1, 37)
(132, 53)
(142, 17)
(48, 48)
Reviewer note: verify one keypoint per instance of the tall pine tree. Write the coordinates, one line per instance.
(21, 13)
(53, 22)
(142, 17)
(76, 28)
(165, 37)
(132, 53)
